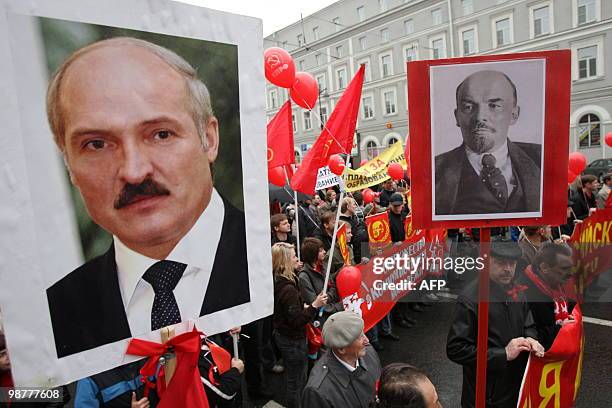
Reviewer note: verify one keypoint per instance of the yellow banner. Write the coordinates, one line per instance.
(375, 171)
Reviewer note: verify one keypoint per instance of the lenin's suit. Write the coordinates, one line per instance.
(460, 191)
(87, 309)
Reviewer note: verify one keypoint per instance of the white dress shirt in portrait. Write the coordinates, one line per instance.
(193, 249)
(502, 162)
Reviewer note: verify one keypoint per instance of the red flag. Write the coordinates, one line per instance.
(280, 138)
(336, 137)
(379, 230)
(343, 245)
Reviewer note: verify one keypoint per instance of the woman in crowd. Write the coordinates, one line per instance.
(312, 278)
(291, 315)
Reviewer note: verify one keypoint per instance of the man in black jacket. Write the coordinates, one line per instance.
(511, 333)
(544, 279)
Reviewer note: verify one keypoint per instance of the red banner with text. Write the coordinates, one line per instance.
(554, 380)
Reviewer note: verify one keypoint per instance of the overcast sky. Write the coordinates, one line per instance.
(275, 14)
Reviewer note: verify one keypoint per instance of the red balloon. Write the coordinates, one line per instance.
(276, 176)
(570, 176)
(279, 67)
(396, 171)
(336, 164)
(368, 196)
(609, 139)
(348, 281)
(577, 162)
(304, 90)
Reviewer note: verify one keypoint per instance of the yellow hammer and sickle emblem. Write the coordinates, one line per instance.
(378, 229)
(328, 144)
(270, 154)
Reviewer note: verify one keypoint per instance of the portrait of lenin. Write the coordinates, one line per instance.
(489, 172)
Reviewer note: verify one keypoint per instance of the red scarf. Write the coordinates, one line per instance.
(515, 291)
(556, 295)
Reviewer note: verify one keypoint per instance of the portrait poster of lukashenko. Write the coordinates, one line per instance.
(149, 120)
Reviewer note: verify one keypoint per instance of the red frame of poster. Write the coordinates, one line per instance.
(556, 122)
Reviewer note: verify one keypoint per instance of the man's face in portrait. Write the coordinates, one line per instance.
(132, 146)
(486, 108)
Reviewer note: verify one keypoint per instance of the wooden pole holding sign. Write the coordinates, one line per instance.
(169, 361)
(483, 320)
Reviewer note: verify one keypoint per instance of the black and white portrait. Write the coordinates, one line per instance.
(142, 122)
(487, 136)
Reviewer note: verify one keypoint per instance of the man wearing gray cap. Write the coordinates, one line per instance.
(346, 374)
(512, 332)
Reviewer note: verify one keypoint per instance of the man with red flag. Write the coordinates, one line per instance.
(336, 137)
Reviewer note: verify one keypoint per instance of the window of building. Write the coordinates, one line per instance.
(502, 32)
(367, 107)
(322, 114)
(315, 33)
(307, 120)
(386, 65)
(383, 5)
(384, 35)
(293, 123)
(410, 53)
(321, 82)
(362, 43)
(273, 99)
(371, 149)
(587, 62)
(586, 11)
(390, 102)
(438, 50)
(589, 131)
(436, 16)
(301, 65)
(467, 6)
(468, 41)
(319, 59)
(341, 78)
(391, 141)
(337, 25)
(339, 51)
(541, 24)
(300, 40)
(361, 13)
(409, 26)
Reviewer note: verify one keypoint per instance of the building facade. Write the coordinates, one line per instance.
(385, 34)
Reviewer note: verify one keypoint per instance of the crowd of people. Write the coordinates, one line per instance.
(528, 306)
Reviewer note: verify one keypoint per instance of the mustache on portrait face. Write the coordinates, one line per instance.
(131, 191)
(481, 125)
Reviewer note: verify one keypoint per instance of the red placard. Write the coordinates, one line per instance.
(555, 124)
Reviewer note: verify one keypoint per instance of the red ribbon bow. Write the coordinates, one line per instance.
(185, 388)
(515, 291)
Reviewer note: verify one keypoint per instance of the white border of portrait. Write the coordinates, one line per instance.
(446, 96)
(29, 226)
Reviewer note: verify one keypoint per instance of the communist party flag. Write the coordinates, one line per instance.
(379, 230)
(554, 380)
(408, 226)
(280, 138)
(343, 244)
(336, 137)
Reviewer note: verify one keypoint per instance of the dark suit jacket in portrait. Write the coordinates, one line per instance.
(460, 191)
(87, 308)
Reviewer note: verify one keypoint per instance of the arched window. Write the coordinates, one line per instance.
(589, 131)
(391, 141)
(371, 149)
